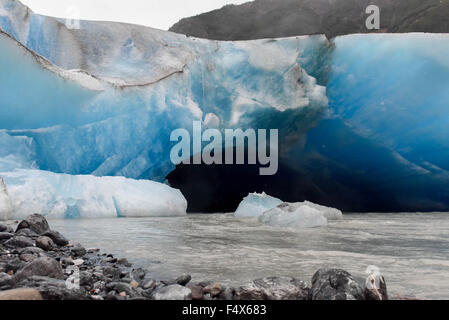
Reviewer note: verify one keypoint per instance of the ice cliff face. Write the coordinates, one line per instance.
(103, 100)
(362, 120)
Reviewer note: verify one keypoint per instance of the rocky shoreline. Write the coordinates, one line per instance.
(37, 263)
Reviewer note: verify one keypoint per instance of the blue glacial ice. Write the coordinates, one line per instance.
(363, 119)
(102, 101)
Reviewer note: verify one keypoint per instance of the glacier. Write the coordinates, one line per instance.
(363, 119)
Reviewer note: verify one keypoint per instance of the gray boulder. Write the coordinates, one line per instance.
(57, 238)
(45, 243)
(19, 242)
(274, 288)
(44, 266)
(173, 292)
(34, 222)
(53, 289)
(335, 284)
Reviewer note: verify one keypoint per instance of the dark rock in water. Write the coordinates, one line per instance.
(6, 281)
(28, 257)
(335, 284)
(213, 289)
(32, 250)
(112, 273)
(149, 284)
(227, 294)
(5, 235)
(197, 292)
(27, 233)
(57, 238)
(19, 241)
(122, 287)
(138, 274)
(46, 267)
(274, 288)
(376, 287)
(124, 262)
(6, 228)
(21, 294)
(173, 292)
(45, 243)
(34, 222)
(78, 250)
(14, 265)
(183, 279)
(54, 289)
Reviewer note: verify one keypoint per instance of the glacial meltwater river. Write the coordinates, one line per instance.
(411, 250)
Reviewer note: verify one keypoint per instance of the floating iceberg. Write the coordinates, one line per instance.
(293, 215)
(69, 196)
(255, 204)
(328, 212)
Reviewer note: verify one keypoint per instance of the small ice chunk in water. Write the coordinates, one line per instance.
(255, 204)
(328, 212)
(293, 215)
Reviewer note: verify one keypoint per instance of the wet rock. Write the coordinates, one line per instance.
(376, 287)
(34, 222)
(32, 250)
(335, 284)
(19, 242)
(78, 250)
(183, 279)
(6, 228)
(173, 292)
(149, 284)
(124, 262)
(197, 292)
(14, 264)
(57, 238)
(28, 257)
(112, 273)
(6, 281)
(45, 243)
(20, 294)
(274, 288)
(54, 289)
(214, 290)
(138, 274)
(227, 294)
(40, 267)
(27, 233)
(5, 235)
(122, 287)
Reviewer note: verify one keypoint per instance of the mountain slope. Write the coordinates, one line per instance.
(283, 18)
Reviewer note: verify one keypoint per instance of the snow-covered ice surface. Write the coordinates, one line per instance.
(69, 196)
(255, 204)
(294, 216)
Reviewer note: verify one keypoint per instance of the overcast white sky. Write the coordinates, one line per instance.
(160, 14)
